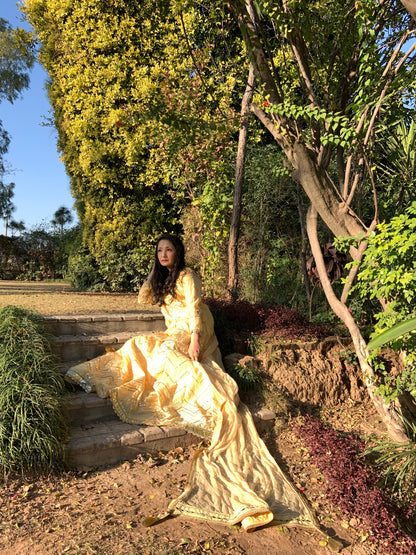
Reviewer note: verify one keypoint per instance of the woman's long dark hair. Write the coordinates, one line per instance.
(163, 281)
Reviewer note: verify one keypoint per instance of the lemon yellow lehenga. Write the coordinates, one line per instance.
(151, 380)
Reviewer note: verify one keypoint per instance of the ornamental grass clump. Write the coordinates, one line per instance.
(397, 463)
(32, 425)
(352, 486)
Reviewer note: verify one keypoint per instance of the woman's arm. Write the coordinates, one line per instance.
(194, 350)
(192, 291)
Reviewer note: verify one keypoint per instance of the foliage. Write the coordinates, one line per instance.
(44, 254)
(392, 333)
(112, 272)
(6, 205)
(11, 257)
(32, 426)
(351, 485)
(126, 272)
(270, 243)
(389, 269)
(397, 462)
(250, 319)
(143, 120)
(82, 270)
(211, 209)
(396, 168)
(16, 58)
(62, 217)
(246, 376)
(389, 272)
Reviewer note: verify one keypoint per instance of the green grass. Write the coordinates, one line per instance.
(32, 425)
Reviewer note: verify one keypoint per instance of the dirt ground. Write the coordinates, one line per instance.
(102, 511)
(59, 298)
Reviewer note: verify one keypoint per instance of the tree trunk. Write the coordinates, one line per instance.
(388, 414)
(303, 245)
(238, 187)
(410, 6)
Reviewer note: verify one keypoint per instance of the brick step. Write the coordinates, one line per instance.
(84, 408)
(113, 441)
(83, 347)
(106, 442)
(104, 324)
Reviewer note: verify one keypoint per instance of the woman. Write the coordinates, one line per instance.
(176, 378)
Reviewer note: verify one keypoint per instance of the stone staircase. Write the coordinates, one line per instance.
(97, 436)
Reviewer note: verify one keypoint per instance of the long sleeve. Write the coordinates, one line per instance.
(146, 294)
(192, 290)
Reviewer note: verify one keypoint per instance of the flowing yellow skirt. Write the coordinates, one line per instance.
(151, 380)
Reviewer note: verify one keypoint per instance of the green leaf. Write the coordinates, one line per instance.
(392, 333)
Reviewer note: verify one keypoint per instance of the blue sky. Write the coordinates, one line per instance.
(41, 183)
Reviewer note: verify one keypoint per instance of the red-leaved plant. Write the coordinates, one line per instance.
(260, 318)
(352, 486)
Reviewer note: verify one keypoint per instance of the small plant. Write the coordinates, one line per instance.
(352, 486)
(349, 357)
(246, 376)
(397, 462)
(32, 426)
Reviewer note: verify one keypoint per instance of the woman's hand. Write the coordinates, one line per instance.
(194, 350)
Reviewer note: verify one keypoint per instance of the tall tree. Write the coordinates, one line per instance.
(6, 205)
(62, 217)
(16, 58)
(134, 102)
(322, 93)
(238, 186)
(17, 226)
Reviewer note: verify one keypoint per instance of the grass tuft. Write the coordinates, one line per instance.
(32, 425)
(397, 462)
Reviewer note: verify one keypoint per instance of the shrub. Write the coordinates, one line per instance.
(32, 426)
(242, 317)
(388, 272)
(126, 271)
(83, 270)
(112, 271)
(352, 486)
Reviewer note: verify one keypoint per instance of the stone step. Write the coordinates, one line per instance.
(104, 324)
(84, 408)
(106, 442)
(84, 347)
(97, 436)
(110, 442)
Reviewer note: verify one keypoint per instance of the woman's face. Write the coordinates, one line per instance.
(166, 253)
